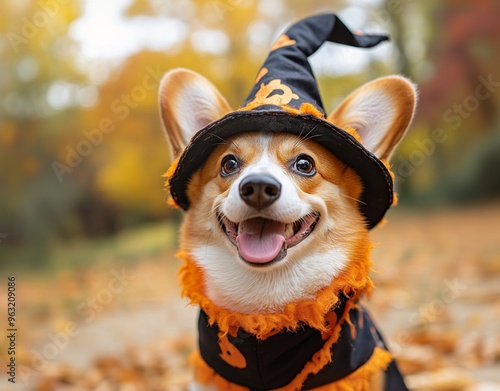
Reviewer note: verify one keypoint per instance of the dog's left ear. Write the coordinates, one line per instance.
(188, 102)
(380, 112)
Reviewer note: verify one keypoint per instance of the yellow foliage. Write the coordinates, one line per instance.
(129, 178)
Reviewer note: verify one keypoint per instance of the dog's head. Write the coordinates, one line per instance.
(273, 218)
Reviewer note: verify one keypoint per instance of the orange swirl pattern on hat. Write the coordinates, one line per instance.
(263, 72)
(266, 95)
(283, 40)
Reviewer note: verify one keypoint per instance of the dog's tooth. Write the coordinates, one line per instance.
(288, 230)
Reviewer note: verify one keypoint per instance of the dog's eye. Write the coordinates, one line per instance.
(229, 165)
(304, 165)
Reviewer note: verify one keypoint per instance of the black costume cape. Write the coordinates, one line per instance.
(274, 362)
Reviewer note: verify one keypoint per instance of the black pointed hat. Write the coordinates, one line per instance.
(285, 98)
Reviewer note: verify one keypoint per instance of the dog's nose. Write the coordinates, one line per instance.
(259, 191)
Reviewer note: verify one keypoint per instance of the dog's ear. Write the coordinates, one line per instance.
(380, 112)
(188, 102)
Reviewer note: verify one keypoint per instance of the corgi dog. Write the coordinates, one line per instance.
(276, 250)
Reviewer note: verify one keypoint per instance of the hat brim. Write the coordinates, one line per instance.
(377, 194)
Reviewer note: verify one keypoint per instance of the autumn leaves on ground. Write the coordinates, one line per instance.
(117, 323)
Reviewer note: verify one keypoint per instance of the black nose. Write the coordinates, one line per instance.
(260, 190)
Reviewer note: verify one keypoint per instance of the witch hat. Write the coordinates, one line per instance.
(285, 98)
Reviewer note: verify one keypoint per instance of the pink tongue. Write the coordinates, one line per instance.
(260, 240)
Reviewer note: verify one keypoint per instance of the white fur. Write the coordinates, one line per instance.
(241, 289)
(204, 99)
(311, 264)
(185, 91)
(308, 267)
(373, 109)
(195, 386)
(371, 115)
(288, 208)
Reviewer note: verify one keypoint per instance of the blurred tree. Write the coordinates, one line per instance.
(461, 95)
(81, 144)
(36, 70)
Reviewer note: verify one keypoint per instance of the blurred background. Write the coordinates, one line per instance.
(84, 226)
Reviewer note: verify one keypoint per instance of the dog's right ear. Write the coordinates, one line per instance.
(188, 102)
(380, 112)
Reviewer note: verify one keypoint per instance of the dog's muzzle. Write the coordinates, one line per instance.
(261, 241)
(259, 190)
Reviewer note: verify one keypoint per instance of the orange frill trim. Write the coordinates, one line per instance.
(207, 376)
(360, 379)
(170, 172)
(321, 358)
(305, 108)
(353, 281)
(356, 381)
(354, 134)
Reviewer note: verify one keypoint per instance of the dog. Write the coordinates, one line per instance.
(275, 237)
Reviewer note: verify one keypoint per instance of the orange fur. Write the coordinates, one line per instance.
(353, 281)
(353, 133)
(174, 86)
(206, 184)
(401, 97)
(335, 184)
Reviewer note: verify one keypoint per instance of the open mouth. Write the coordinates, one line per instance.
(262, 241)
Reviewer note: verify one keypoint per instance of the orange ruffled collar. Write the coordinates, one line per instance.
(353, 281)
